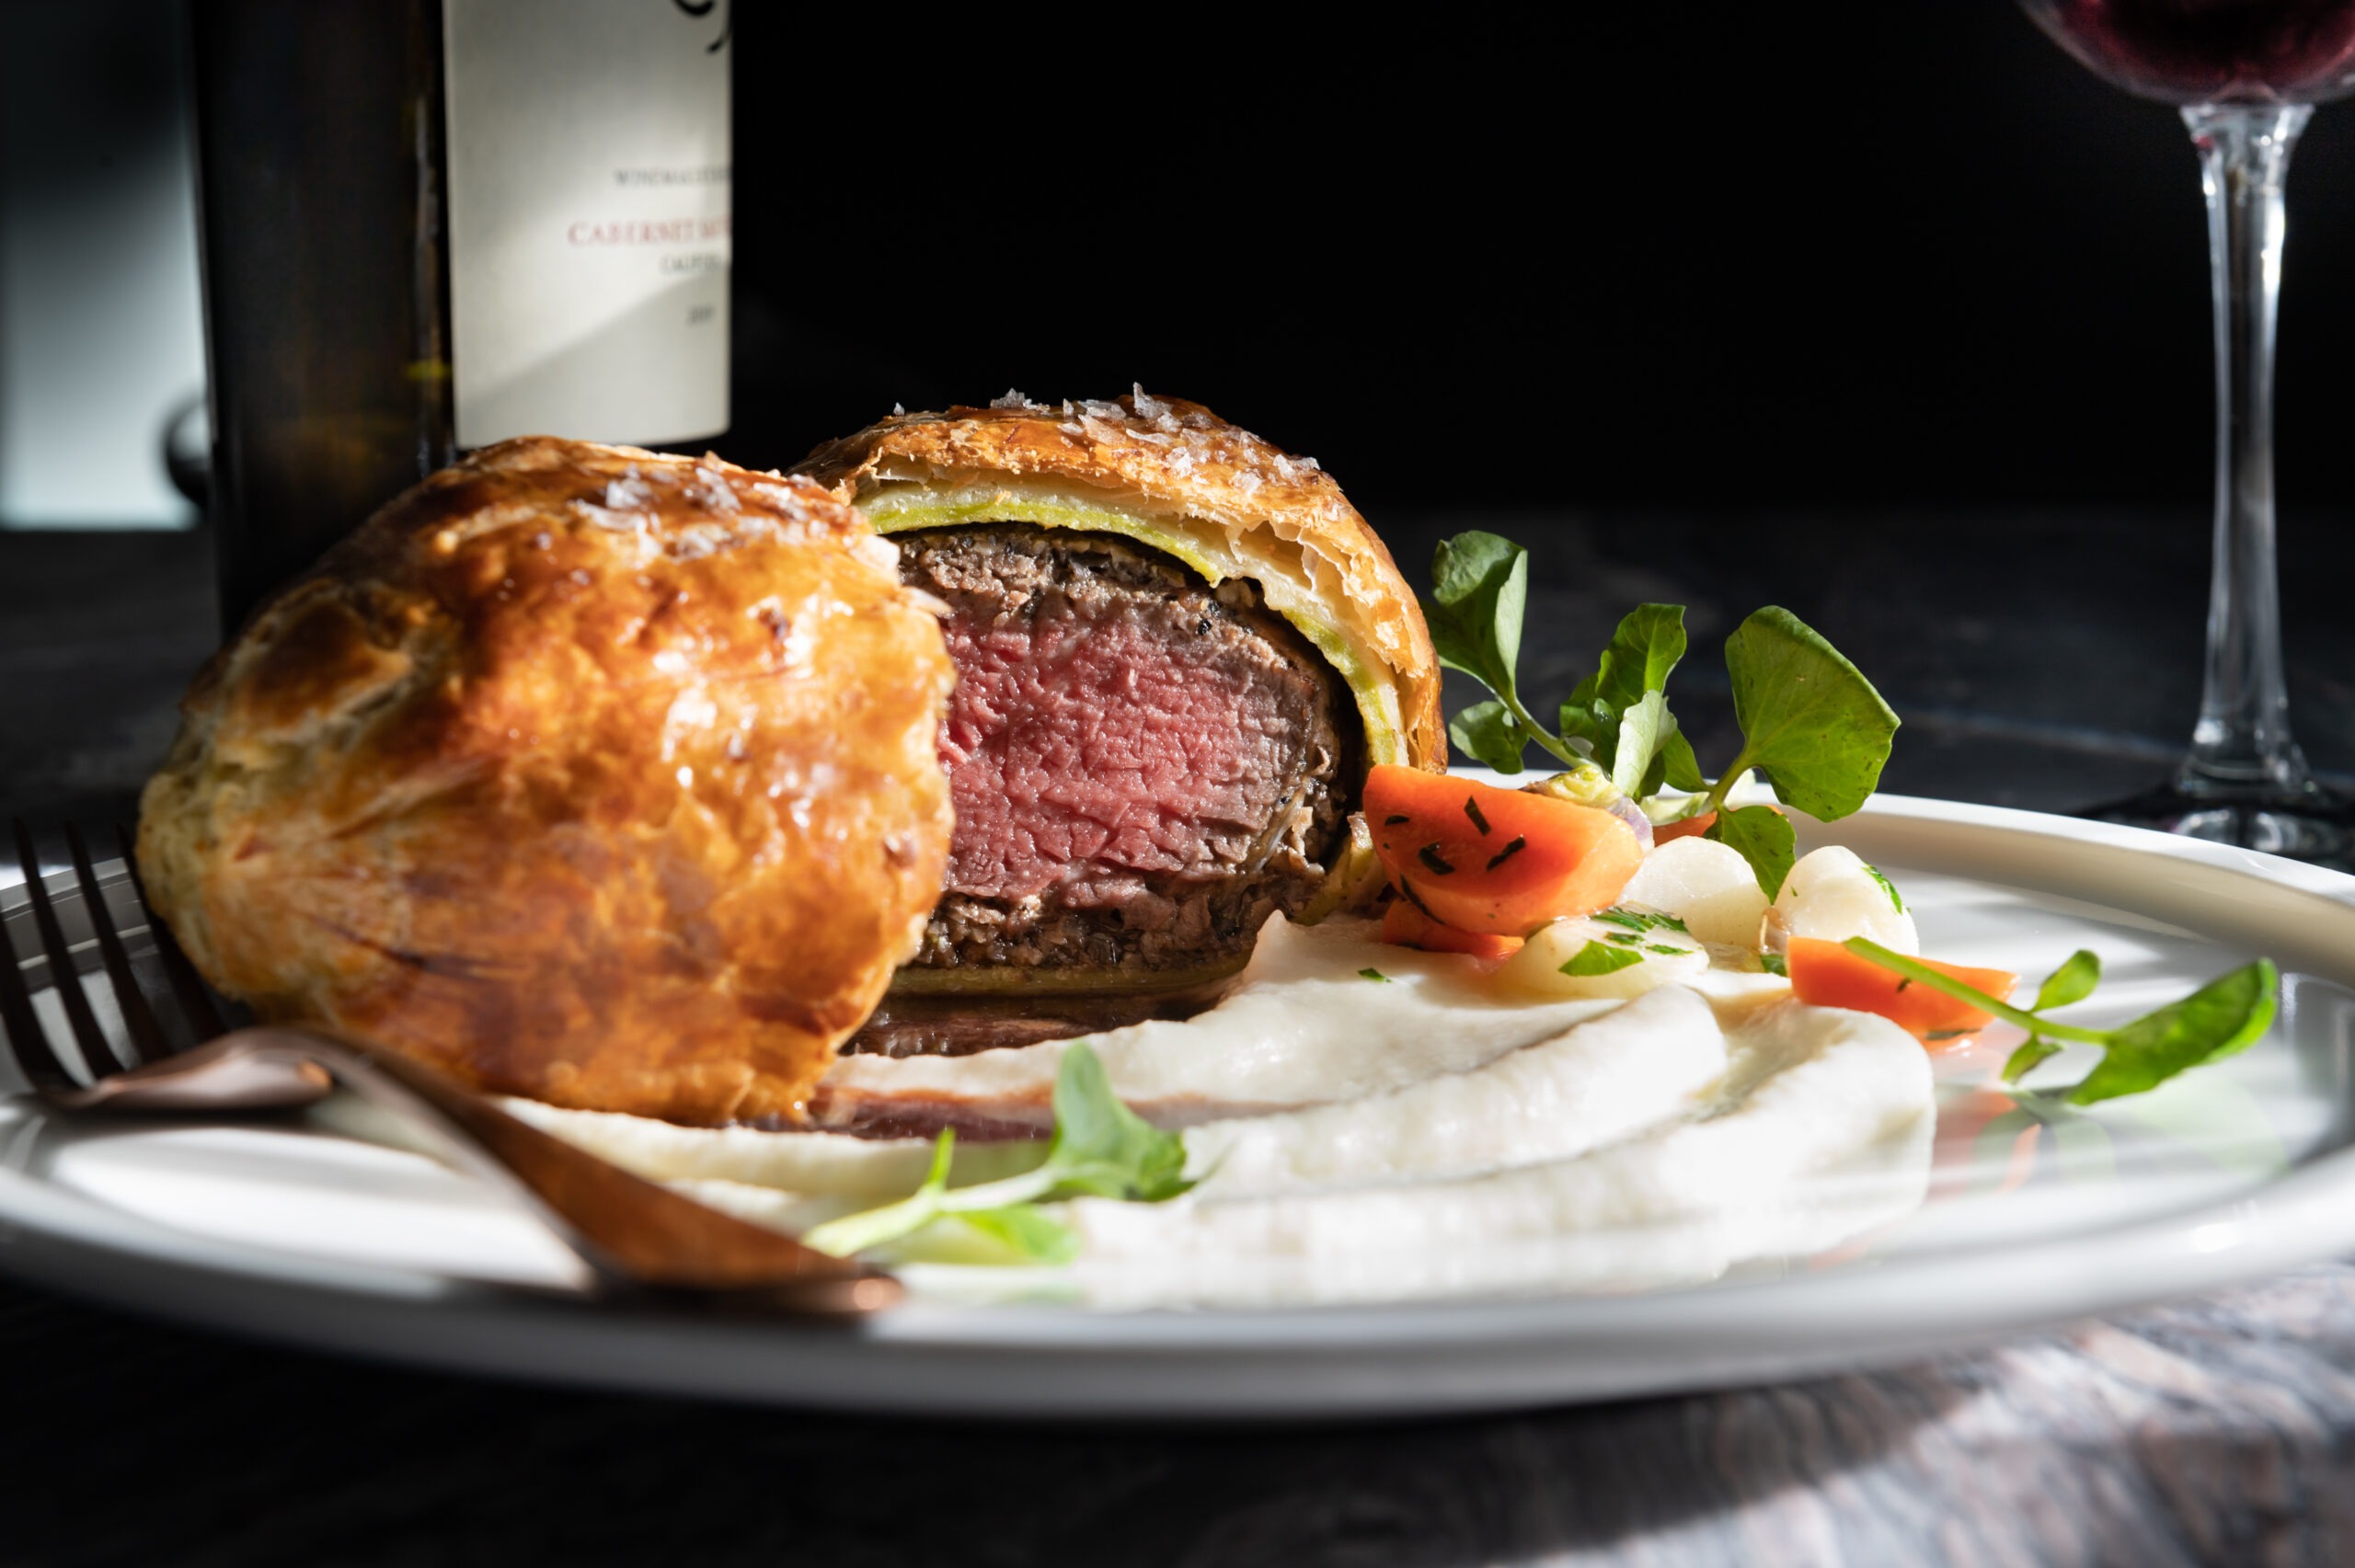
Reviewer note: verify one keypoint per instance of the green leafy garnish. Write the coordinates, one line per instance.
(1809, 720)
(2032, 1054)
(1895, 902)
(1373, 975)
(1595, 959)
(1775, 964)
(1764, 837)
(1102, 1149)
(1479, 590)
(1490, 733)
(1619, 712)
(2221, 1019)
(1024, 1232)
(1810, 724)
(2073, 981)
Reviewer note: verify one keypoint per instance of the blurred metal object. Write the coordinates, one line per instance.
(188, 451)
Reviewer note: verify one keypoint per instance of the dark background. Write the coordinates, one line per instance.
(1892, 314)
(1710, 256)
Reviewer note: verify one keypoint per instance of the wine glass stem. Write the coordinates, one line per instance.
(2242, 749)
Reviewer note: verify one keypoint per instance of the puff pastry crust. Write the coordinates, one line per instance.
(587, 773)
(1231, 503)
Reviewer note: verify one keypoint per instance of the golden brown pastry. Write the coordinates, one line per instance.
(1180, 648)
(584, 772)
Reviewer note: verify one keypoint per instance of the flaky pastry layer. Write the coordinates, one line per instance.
(583, 772)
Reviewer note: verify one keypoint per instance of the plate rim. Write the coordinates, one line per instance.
(1031, 1360)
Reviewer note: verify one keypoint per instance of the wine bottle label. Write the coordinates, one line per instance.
(588, 161)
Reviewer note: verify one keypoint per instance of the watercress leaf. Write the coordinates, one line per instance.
(1654, 776)
(1489, 732)
(1679, 770)
(1025, 1232)
(1644, 729)
(1806, 715)
(873, 1227)
(1764, 837)
(1479, 590)
(1103, 1149)
(1644, 649)
(1589, 726)
(2028, 1058)
(2224, 1016)
(2073, 981)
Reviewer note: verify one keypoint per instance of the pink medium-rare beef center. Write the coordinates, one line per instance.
(1144, 768)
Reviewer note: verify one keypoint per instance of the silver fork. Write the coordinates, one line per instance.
(634, 1234)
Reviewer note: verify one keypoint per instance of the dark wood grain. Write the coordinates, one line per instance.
(2215, 1431)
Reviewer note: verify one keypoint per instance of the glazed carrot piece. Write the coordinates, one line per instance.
(1828, 975)
(1407, 926)
(1495, 862)
(1663, 831)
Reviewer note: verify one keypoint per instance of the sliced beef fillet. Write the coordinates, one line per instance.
(1143, 769)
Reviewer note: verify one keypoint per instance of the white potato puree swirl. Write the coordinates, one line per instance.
(1303, 1027)
(1422, 1134)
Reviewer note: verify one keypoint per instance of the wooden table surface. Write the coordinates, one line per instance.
(2038, 662)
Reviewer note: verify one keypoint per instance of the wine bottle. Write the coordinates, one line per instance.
(430, 224)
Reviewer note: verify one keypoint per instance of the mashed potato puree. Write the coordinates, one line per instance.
(1423, 1133)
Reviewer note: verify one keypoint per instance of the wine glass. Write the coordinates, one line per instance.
(2245, 74)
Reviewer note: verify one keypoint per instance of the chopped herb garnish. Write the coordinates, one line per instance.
(1640, 920)
(1775, 964)
(1903, 984)
(1623, 939)
(1595, 959)
(1887, 886)
(1407, 891)
(1472, 809)
(1507, 853)
(1667, 952)
(1373, 975)
(1429, 854)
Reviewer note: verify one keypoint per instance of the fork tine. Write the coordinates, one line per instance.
(27, 1041)
(145, 1037)
(62, 975)
(196, 1003)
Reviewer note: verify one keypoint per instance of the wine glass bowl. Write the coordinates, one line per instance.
(2245, 74)
(2209, 51)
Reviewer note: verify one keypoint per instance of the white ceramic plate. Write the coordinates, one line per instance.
(2233, 1171)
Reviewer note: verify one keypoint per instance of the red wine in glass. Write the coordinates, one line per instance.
(2207, 51)
(2244, 73)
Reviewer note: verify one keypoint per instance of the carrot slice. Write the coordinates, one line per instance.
(1407, 926)
(1498, 862)
(1828, 975)
(1684, 829)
